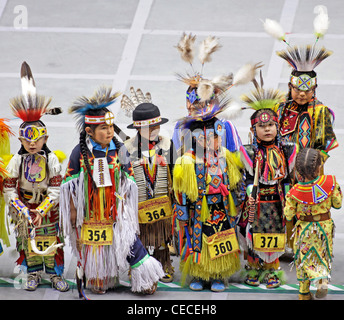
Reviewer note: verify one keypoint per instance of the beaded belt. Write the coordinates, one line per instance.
(316, 218)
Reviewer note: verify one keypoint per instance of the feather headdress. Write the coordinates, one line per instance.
(206, 113)
(209, 88)
(261, 98)
(29, 106)
(102, 98)
(187, 50)
(304, 58)
(128, 104)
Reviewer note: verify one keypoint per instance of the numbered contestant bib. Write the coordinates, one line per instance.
(97, 233)
(222, 243)
(156, 209)
(269, 242)
(42, 243)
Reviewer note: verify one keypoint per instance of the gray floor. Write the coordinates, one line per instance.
(73, 47)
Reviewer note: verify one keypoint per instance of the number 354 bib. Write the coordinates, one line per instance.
(97, 233)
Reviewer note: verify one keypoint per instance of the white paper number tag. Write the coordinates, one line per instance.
(101, 173)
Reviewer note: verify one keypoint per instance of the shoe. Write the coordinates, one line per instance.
(151, 290)
(167, 278)
(98, 290)
(252, 276)
(217, 286)
(321, 289)
(307, 296)
(273, 282)
(196, 285)
(58, 283)
(252, 280)
(33, 281)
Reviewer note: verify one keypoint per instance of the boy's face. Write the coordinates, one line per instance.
(149, 133)
(102, 134)
(301, 97)
(33, 147)
(266, 132)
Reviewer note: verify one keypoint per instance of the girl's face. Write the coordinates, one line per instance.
(102, 134)
(299, 96)
(149, 133)
(266, 132)
(33, 147)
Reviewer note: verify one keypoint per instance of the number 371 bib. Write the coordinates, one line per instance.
(269, 242)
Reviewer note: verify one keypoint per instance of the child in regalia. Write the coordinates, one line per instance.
(268, 166)
(152, 156)
(32, 191)
(99, 201)
(202, 94)
(302, 118)
(206, 182)
(310, 201)
(220, 83)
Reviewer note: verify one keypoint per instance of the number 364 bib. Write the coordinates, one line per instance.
(155, 209)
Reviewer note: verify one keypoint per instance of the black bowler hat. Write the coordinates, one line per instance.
(146, 114)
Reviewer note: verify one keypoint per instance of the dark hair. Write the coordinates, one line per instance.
(308, 162)
(296, 73)
(82, 140)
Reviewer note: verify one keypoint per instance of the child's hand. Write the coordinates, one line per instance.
(251, 200)
(38, 219)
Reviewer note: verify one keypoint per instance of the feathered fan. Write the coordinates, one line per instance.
(136, 98)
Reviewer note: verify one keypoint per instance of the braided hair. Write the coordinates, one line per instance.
(308, 163)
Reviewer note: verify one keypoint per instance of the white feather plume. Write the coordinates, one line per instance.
(28, 85)
(246, 73)
(186, 47)
(222, 82)
(207, 47)
(232, 112)
(274, 29)
(321, 21)
(205, 90)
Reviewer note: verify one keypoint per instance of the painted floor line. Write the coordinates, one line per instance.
(174, 286)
